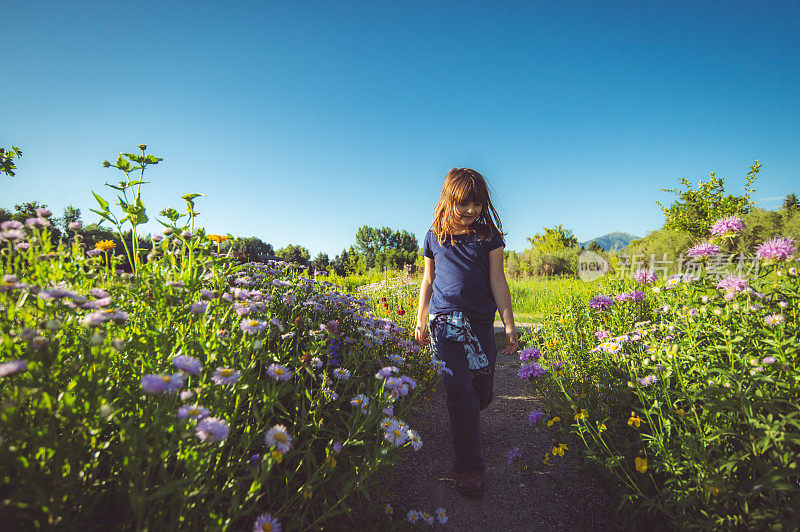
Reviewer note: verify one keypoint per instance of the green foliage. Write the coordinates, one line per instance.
(7, 157)
(695, 211)
(84, 443)
(791, 204)
(384, 248)
(687, 400)
(294, 253)
(553, 240)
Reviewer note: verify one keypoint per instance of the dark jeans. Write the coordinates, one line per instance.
(467, 392)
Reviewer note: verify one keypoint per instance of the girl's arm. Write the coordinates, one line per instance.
(425, 292)
(502, 298)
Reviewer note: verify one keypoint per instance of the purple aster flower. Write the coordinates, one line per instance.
(93, 252)
(337, 447)
(266, 523)
(12, 235)
(251, 326)
(727, 226)
(602, 334)
(531, 370)
(778, 248)
(774, 319)
(703, 250)
(12, 366)
(162, 383)
(37, 222)
(74, 226)
(513, 454)
(97, 293)
(186, 234)
(769, 360)
(207, 294)
(11, 224)
(212, 429)
(278, 437)
(386, 372)
(645, 277)
(279, 373)
(601, 303)
(198, 307)
(534, 417)
(195, 412)
(223, 376)
(341, 374)
(23, 246)
(44, 213)
(187, 364)
(648, 380)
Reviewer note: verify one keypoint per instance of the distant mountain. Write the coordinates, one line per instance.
(612, 241)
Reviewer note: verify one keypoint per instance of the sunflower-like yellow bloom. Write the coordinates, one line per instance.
(559, 449)
(554, 420)
(219, 239)
(581, 414)
(641, 464)
(635, 420)
(105, 245)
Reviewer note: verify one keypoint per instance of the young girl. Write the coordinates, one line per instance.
(462, 287)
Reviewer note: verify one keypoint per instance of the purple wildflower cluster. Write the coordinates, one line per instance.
(776, 249)
(635, 296)
(703, 250)
(531, 353)
(645, 276)
(727, 226)
(530, 370)
(601, 303)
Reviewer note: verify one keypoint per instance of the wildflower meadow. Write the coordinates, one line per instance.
(171, 387)
(681, 391)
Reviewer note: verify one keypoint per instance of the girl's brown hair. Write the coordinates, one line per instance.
(462, 185)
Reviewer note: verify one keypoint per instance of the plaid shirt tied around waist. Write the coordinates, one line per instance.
(455, 326)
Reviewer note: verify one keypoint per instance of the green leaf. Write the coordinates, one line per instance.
(190, 197)
(103, 203)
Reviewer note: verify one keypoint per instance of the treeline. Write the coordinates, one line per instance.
(687, 221)
(375, 249)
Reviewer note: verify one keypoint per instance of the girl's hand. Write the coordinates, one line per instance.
(512, 340)
(421, 335)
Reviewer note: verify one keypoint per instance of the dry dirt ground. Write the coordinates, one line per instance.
(525, 496)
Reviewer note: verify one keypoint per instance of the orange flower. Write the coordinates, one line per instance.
(641, 464)
(219, 239)
(105, 245)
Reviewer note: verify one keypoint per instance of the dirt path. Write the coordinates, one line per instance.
(523, 497)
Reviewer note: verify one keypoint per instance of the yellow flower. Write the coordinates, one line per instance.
(105, 245)
(559, 449)
(641, 464)
(331, 460)
(601, 426)
(712, 489)
(277, 456)
(581, 414)
(635, 420)
(554, 420)
(546, 459)
(681, 412)
(219, 239)
(307, 493)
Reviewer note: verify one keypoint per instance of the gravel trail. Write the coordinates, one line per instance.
(522, 497)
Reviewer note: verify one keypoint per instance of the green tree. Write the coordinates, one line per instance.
(696, 210)
(251, 249)
(294, 253)
(71, 214)
(7, 160)
(385, 248)
(553, 239)
(790, 203)
(321, 262)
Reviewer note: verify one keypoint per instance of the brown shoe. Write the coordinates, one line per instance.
(470, 483)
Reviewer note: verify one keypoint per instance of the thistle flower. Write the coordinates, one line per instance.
(212, 429)
(777, 249)
(223, 376)
(645, 277)
(601, 303)
(703, 250)
(279, 438)
(727, 226)
(187, 364)
(278, 372)
(732, 284)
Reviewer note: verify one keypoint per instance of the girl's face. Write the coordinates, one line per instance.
(467, 212)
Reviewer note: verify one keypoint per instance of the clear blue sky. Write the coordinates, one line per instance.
(301, 121)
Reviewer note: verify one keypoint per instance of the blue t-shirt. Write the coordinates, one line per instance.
(461, 279)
